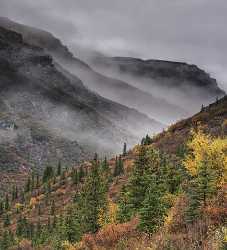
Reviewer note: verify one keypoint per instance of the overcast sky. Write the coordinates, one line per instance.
(193, 31)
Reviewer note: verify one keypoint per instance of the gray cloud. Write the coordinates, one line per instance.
(184, 30)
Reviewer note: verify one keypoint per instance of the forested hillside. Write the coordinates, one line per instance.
(165, 193)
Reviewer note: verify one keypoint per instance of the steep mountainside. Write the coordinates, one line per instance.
(212, 119)
(181, 84)
(44, 204)
(113, 89)
(47, 114)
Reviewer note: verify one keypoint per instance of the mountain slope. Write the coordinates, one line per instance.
(181, 84)
(176, 232)
(212, 119)
(52, 114)
(113, 89)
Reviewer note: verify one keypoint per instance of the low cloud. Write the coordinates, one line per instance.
(179, 30)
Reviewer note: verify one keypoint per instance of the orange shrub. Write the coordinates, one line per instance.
(110, 235)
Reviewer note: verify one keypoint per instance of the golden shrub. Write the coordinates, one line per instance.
(212, 150)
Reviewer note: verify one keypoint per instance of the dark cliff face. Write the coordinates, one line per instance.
(156, 69)
(56, 116)
(179, 83)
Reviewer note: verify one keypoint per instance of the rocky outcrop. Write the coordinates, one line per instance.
(181, 84)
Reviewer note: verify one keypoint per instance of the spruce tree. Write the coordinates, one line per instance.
(137, 182)
(125, 149)
(59, 168)
(116, 168)
(32, 181)
(7, 220)
(205, 182)
(52, 209)
(105, 165)
(39, 210)
(37, 181)
(106, 171)
(201, 187)
(81, 173)
(92, 199)
(5, 241)
(193, 212)
(21, 227)
(146, 141)
(124, 212)
(153, 210)
(172, 178)
(28, 185)
(48, 174)
(75, 177)
(120, 166)
(7, 205)
(1, 207)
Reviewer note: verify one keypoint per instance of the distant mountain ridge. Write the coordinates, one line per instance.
(55, 115)
(182, 84)
(113, 89)
(159, 87)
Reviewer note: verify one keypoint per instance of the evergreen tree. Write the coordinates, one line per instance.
(32, 181)
(1, 207)
(49, 228)
(7, 220)
(201, 187)
(147, 167)
(39, 210)
(124, 208)
(59, 168)
(105, 165)
(37, 181)
(125, 149)
(172, 178)
(116, 170)
(153, 210)
(205, 182)
(81, 173)
(22, 197)
(106, 171)
(137, 182)
(48, 174)
(202, 108)
(193, 212)
(72, 227)
(28, 185)
(14, 193)
(75, 177)
(52, 209)
(48, 187)
(92, 199)
(120, 166)
(38, 230)
(7, 205)
(6, 241)
(146, 141)
(21, 228)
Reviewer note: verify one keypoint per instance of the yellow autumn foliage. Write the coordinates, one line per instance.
(66, 245)
(109, 215)
(18, 206)
(213, 151)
